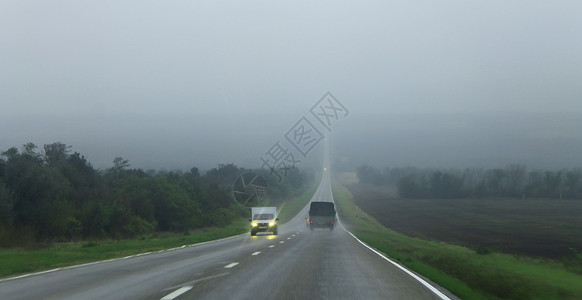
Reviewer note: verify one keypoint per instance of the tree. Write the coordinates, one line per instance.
(412, 187)
(6, 206)
(444, 185)
(55, 152)
(120, 164)
(552, 183)
(194, 172)
(11, 153)
(535, 186)
(79, 171)
(28, 149)
(59, 197)
(494, 182)
(224, 175)
(367, 174)
(515, 179)
(572, 184)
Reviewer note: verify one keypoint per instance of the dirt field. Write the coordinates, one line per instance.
(534, 227)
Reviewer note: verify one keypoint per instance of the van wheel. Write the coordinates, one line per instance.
(253, 233)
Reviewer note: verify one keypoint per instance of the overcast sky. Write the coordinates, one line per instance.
(183, 83)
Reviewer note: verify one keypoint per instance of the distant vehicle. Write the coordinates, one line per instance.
(322, 215)
(264, 219)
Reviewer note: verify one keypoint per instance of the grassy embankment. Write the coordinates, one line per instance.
(15, 261)
(463, 271)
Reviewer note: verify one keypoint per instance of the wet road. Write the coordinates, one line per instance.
(296, 264)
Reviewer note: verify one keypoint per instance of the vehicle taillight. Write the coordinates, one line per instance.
(331, 222)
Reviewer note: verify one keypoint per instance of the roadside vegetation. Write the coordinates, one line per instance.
(470, 273)
(513, 181)
(57, 210)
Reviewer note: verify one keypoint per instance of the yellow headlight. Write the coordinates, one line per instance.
(272, 223)
(254, 224)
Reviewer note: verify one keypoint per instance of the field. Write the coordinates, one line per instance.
(532, 227)
(480, 273)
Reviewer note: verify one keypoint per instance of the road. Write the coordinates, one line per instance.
(296, 264)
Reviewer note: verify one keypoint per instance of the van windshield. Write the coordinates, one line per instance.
(263, 217)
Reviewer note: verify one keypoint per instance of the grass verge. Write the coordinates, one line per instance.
(15, 261)
(463, 271)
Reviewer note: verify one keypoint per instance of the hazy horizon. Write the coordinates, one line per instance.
(537, 140)
(183, 84)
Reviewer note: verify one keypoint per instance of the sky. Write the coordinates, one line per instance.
(175, 84)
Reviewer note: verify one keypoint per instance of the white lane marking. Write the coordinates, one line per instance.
(195, 281)
(288, 238)
(177, 293)
(292, 235)
(256, 253)
(271, 246)
(231, 265)
(281, 242)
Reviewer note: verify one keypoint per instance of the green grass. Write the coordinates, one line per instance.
(15, 261)
(463, 271)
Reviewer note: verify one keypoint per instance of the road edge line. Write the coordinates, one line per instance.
(405, 270)
(410, 273)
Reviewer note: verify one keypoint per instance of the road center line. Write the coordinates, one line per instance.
(177, 293)
(231, 265)
(288, 238)
(272, 246)
(281, 242)
(256, 253)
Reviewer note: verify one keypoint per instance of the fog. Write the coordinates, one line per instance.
(180, 84)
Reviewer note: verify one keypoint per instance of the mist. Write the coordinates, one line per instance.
(177, 85)
(537, 140)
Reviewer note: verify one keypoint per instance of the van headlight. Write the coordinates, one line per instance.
(272, 223)
(254, 224)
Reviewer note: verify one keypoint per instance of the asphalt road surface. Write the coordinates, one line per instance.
(296, 264)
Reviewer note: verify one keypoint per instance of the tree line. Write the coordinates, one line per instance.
(53, 195)
(512, 181)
